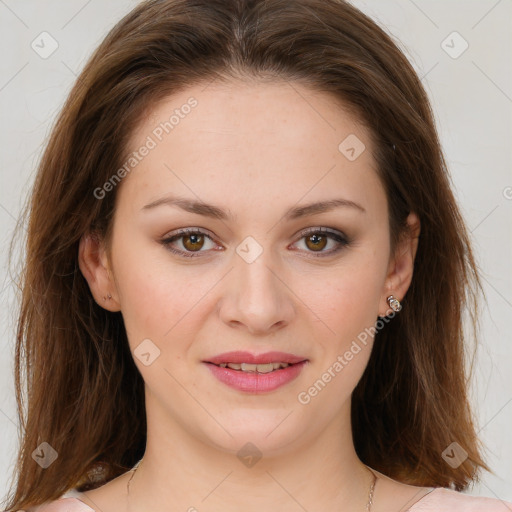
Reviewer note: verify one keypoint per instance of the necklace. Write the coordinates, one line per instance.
(368, 505)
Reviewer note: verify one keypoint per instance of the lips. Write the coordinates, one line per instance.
(239, 357)
(255, 382)
(256, 374)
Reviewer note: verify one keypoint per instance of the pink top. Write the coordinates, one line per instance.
(437, 500)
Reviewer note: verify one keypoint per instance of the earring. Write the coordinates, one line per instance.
(109, 297)
(394, 303)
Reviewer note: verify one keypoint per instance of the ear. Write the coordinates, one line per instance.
(401, 265)
(95, 267)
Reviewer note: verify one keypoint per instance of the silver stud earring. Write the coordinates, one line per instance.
(394, 303)
(109, 297)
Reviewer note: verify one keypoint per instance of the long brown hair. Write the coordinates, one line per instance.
(84, 395)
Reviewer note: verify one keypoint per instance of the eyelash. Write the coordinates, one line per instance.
(333, 235)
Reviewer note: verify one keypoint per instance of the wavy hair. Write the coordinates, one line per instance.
(77, 386)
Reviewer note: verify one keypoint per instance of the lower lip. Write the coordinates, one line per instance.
(256, 382)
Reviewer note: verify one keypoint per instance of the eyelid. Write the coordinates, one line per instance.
(321, 229)
(185, 231)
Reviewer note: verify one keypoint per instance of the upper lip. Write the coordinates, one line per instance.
(247, 357)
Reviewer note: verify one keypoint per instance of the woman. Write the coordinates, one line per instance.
(246, 275)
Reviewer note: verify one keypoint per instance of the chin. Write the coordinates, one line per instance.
(262, 432)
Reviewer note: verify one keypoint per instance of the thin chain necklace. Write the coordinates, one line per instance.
(368, 505)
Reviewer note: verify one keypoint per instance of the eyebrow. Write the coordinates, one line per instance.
(210, 210)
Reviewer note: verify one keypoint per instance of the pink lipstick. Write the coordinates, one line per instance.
(256, 373)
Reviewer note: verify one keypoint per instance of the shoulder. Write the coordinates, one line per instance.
(62, 505)
(447, 500)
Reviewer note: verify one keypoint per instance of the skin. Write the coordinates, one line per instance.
(254, 150)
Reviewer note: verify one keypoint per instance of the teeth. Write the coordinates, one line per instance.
(260, 368)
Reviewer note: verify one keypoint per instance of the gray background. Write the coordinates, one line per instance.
(471, 93)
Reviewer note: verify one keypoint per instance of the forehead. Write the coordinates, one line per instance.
(225, 111)
(264, 140)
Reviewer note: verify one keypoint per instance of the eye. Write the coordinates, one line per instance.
(192, 240)
(316, 239)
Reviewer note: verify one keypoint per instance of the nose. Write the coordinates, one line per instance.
(256, 298)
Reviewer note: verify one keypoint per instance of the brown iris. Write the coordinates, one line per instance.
(197, 241)
(317, 240)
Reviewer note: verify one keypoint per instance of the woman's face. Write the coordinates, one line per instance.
(255, 275)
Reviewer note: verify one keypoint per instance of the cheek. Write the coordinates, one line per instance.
(161, 300)
(153, 297)
(348, 303)
(348, 306)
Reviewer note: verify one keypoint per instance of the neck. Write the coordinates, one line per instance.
(317, 471)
